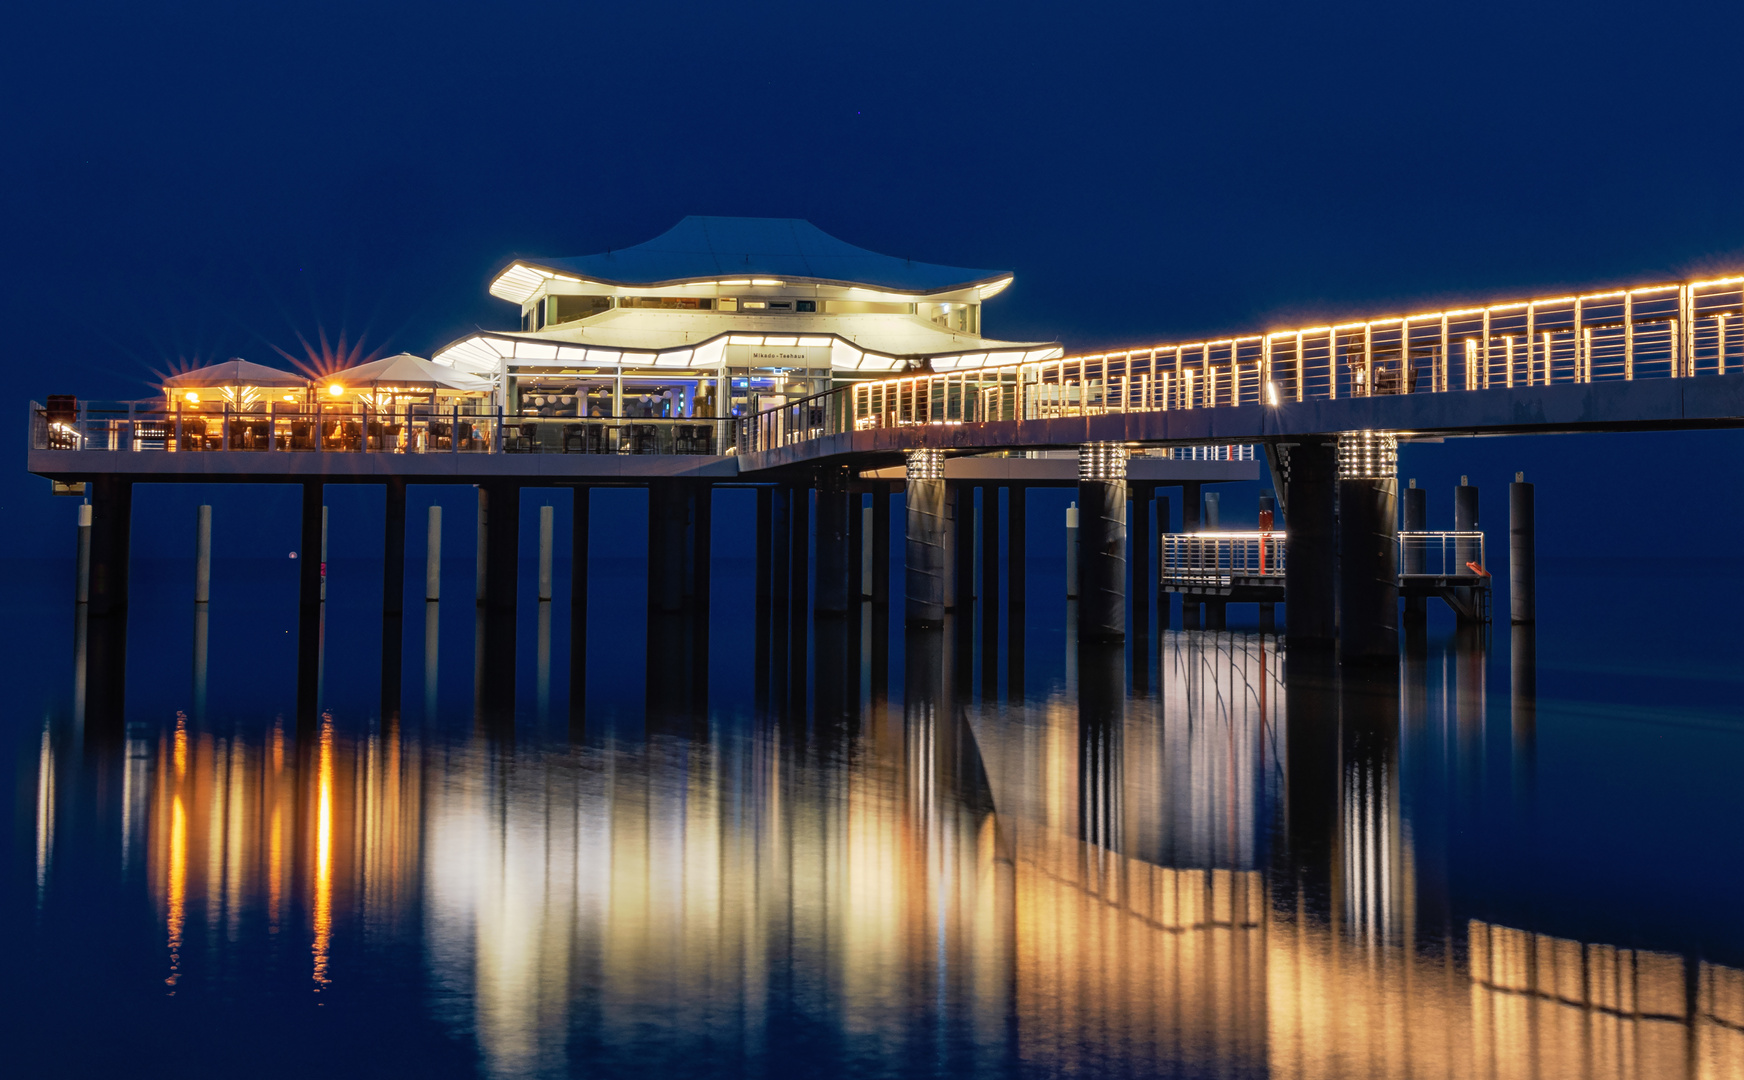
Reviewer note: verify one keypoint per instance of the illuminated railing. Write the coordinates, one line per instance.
(1219, 558)
(1442, 554)
(295, 427)
(1678, 330)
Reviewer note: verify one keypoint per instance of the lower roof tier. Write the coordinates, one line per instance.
(493, 352)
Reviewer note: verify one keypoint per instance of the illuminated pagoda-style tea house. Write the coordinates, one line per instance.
(722, 317)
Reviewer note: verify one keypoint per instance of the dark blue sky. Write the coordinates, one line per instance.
(187, 182)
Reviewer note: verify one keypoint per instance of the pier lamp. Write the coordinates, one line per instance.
(334, 389)
(193, 397)
(1271, 392)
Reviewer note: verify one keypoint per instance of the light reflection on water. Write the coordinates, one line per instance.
(1223, 875)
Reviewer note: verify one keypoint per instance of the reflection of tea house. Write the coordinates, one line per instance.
(721, 317)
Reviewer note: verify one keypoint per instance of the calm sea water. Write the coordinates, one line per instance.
(881, 854)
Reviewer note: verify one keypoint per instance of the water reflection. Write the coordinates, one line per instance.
(1222, 876)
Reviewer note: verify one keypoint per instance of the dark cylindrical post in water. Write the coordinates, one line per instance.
(1072, 552)
(1368, 551)
(483, 540)
(1102, 542)
(1416, 513)
(323, 553)
(832, 542)
(203, 555)
(82, 588)
(924, 564)
(1268, 524)
(547, 525)
(433, 556)
(1465, 550)
(1310, 551)
(1522, 552)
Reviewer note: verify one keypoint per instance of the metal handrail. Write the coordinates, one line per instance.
(1673, 330)
(1219, 557)
(322, 427)
(1441, 553)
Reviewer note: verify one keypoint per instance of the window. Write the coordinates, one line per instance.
(673, 303)
(866, 307)
(960, 317)
(753, 305)
(570, 308)
(805, 305)
(727, 303)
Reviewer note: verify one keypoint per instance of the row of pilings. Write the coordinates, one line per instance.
(1340, 498)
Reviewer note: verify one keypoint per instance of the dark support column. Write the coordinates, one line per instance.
(668, 514)
(856, 549)
(1141, 541)
(394, 549)
(781, 558)
(309, 605)
(800, 599)
(989, 526)
(1102, 542)
(799, 551)
(881, 544)
(962, 528)
(1268, 523)
(702, 540)
(502, 563)
(1192, 500)
(1415, 510)
(111, 539)
(393, 594)
(1162, 504)
(501, 503)
(581, 518)
(1522, 553)
(1310, 545)
(1016, 568)
(765, 508)
(1216, 614)
(1465, 519)
(924, 564)
(1368, 561)
(832, 542)
(105, 612)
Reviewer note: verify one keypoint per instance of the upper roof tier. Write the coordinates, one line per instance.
(706, 249)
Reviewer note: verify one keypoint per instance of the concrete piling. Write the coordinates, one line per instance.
(1465, 519)
(547, 525)
(925, 561)
(203, 555)
(1522, 552)
(1072, 551)
(1368, 580)
(433, 555)
(1102, 542)
(1415, 510)
(82, 580)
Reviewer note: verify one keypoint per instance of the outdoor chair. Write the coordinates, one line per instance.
(575, 434)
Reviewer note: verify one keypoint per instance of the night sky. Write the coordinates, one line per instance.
(183, 183)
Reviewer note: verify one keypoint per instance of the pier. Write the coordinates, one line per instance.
(962, 440)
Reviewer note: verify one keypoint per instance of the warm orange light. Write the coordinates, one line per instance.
(335, 389)
(193, 397)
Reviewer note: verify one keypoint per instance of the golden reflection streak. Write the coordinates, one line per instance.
(323, 916)
(45, 804)
(176, 890)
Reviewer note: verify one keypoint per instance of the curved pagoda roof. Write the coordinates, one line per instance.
(734, 248)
